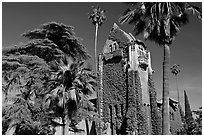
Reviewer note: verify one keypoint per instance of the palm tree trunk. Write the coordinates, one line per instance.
(96, 33)
(63, 117)
(98, 95)
(165, 104)
(87, 126)
(63, 127)
(177, 89)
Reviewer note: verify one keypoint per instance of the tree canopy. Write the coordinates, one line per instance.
(51, 61)
(160, 21)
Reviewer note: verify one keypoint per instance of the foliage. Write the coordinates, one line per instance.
(114, 97)
(97, 16)
(51, 62)
(123, 106)
(141, 117)
(188, 113)
(69, 88)
(198, 120)
(60, 35)
(23, 78)
(191, 126)
(133, 121)
(175, 69)
(23, 71)
(196, 126)
(155, 120)
(160, 21)
(25, 117)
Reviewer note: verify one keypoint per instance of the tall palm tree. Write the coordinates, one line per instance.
(97, 17)
(160, 22)
(175, 70)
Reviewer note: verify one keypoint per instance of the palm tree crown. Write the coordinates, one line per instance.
(175, 69)
(160, 21)
(97, 16)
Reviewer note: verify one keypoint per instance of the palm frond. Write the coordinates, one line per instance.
(97, 16)
(160, 21)
(127, 17)
(140, 27)
(195, 10)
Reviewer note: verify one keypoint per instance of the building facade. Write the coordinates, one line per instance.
(127, 104)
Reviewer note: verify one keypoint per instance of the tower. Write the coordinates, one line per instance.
(124, 100)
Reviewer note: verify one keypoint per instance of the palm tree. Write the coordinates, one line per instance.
(175, 70)
(160, 22)
(97, 17)
(70, 87)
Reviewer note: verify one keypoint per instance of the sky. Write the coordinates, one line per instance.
(186, 49)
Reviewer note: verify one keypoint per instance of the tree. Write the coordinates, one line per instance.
(198, 120)
(27, 74)
(191, 126)
(189, 121)
(175, 70)
(72, 85)
(97, 17)
(24, 117)
(32, 63)
(160, 22)
(58, 38)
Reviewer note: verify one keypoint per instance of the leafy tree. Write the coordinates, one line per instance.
(27, 75)
(62, 37)
(97, 17)
(23, 118)
(160, 22)
(33, 69)
(195, 128)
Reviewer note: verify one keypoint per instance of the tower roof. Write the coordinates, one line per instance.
(121, 37)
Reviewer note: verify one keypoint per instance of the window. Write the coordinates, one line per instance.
(111, 48)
